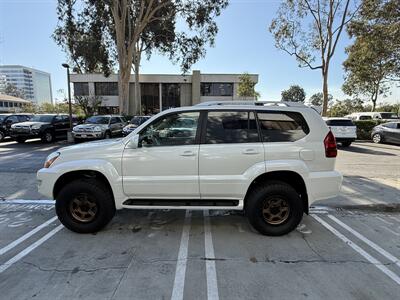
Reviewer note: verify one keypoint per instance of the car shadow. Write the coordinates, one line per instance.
(360, 192)
(363, 150)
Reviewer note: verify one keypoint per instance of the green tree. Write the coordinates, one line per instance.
(346, 107)
(310, 30)
(373, 62)
(318, 99)
(88, 104)
(11, 90)
(294, 93)
(131, 28)
(246, 87)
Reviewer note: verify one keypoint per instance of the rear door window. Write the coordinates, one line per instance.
(225, 127)
(282, 126)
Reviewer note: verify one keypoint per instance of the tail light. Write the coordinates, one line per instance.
(330, 145)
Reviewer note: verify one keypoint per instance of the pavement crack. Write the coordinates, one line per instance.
(74, 270)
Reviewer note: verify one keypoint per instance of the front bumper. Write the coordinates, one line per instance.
(324, 185)
(88, 135)
(46, 179)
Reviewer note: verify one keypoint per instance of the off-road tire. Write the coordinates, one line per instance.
(102, 197)
(271, 190)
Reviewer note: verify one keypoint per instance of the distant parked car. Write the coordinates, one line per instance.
(47, 127)
(6, 120)
(388, 132)
(99, 127)
(343, 129)
(134, 123)
(382, 116)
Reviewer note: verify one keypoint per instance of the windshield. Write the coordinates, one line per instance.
(389, 116)
(42, 118)
(98, 120)
(2, 117)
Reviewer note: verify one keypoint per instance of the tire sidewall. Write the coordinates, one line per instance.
(255, 205)
(103, 199)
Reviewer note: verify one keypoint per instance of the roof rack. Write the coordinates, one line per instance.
(257, 103)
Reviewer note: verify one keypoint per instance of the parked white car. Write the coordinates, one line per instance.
(382, 116)
(272, 161)
(343, 129)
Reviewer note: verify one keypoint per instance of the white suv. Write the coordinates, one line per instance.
(272, 160)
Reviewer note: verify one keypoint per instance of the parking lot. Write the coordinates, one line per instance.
(347, 248)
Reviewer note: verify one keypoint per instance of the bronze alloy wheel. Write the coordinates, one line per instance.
(275, 210)
(83, 208)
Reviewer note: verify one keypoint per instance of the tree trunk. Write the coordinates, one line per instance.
(123, 90)
(138, 100)
(325, 94)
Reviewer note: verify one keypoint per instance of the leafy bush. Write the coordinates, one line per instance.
(365, 127)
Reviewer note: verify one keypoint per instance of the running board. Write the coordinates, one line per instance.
(183, 202)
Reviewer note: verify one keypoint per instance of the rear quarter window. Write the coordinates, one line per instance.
(282, 126)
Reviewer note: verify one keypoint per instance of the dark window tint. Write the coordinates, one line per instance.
(23, 118)
(106, 88)
(339, 123)
(114, 120)
(12, 119)
(365, 118)
(389, 116)
(171, 130)
(231, 127)
(216, 89)
(81, 89)
(282, 126)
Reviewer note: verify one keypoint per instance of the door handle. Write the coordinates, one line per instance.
(188, 153)
(250, 151)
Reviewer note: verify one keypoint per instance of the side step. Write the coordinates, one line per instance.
(183, 202)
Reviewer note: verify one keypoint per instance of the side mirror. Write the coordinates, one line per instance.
(134, 142)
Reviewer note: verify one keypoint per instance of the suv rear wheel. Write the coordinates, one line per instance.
(377, 138)
(47, 137)
(274, 208)
(85, 206)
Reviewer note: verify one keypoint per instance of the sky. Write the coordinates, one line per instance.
(243, 44)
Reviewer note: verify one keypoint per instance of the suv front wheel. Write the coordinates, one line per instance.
(85, 206)
(274, 208)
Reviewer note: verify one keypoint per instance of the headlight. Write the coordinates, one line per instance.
(50, 159)
(37, 126)
(97, 128)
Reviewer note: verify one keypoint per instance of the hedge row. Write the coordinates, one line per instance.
(365, 127)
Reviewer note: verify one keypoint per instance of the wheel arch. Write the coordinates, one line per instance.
(84, 174)
(290, 177)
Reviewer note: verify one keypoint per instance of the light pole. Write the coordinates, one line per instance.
(69, 96)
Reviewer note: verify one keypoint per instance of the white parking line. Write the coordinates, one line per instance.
(29, 249)
(26, 236)
(370, 243)
(361, 251)
(179, 281)
(23, 201)
(211, 273)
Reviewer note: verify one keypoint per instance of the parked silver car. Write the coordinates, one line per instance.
(99, 127)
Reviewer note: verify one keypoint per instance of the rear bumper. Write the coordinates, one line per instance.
(324, 185)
